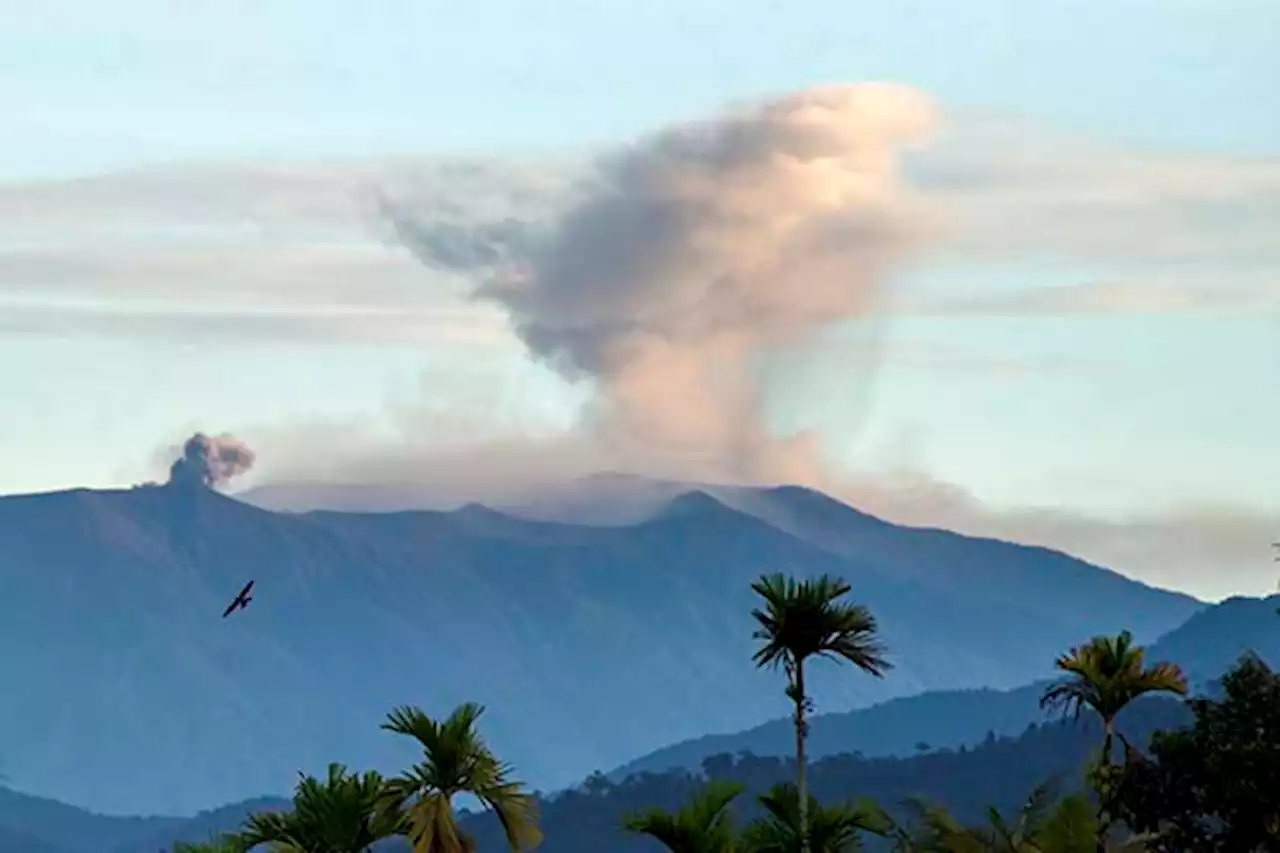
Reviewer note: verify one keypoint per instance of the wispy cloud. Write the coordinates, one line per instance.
(255, 251)
(1211, 550)
(1178, 232)
(1110, 297)
(182, 324)
(1011, 189)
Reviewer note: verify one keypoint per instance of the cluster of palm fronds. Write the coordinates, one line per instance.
(349, 812)
(1044, 824)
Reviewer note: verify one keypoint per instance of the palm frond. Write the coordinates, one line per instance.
(455, 760)
(700, 826)
(803, 619)
(337, 812)
(1106, 674)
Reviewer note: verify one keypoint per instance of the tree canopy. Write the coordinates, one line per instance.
(1215, 786)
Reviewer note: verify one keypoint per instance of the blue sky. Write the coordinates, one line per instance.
(90, 86)
(1110, 411)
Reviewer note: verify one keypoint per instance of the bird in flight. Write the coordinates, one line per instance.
(241, 602)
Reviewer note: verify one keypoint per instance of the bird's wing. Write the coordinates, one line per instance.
(246, 589)
(230, 607)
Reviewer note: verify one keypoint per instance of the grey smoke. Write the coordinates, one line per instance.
(211, 461)
(459, 246)
(699, 253)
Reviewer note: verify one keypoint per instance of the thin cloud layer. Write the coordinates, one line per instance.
(1114, 297)
(1212, 551)
(252, 251)
(1012, 189)
(1172, 231)
(455, 327)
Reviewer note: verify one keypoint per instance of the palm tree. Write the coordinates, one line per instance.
(337, 815)
(455, 760)
(703, 825)
(1105, 675)
(832, 829)
(806, 619)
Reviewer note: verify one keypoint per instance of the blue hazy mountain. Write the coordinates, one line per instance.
(1205, 646)
(41, 825)
(590, 645)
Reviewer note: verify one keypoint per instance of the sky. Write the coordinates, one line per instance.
(271, 218)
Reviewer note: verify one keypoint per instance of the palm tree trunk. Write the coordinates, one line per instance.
(802, 790)
(1104, 796)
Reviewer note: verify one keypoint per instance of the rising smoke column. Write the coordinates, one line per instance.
(701, 251)
(211, 461)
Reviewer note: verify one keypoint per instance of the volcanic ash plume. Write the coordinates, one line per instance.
(211, 461)
(708, 247)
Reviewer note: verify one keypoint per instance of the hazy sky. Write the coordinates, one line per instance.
(190, 237)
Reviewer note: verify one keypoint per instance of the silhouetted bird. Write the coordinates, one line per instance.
(241, 602)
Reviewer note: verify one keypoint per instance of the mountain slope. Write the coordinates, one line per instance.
(588, 644)
(16, 841)
(40, 825)
(1206, 646)
(1213, 639)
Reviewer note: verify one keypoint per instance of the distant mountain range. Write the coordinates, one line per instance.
(1205, 646)
(998, 771)
(39, 825)
(590, 644)
(997, 767)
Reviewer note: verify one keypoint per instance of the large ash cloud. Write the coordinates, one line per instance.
(211, 461)
(697, 253)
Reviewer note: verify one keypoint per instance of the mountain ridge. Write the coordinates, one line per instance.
(561, 504)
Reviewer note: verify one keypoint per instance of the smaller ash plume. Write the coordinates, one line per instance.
(211, 461)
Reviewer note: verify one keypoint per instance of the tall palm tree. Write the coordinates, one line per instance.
(703, 825)
(1105, 675)
(455, 760)
(807, 619)
(832, 829)
(338, 814)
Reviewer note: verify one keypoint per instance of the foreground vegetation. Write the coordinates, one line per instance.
(1211, 786)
